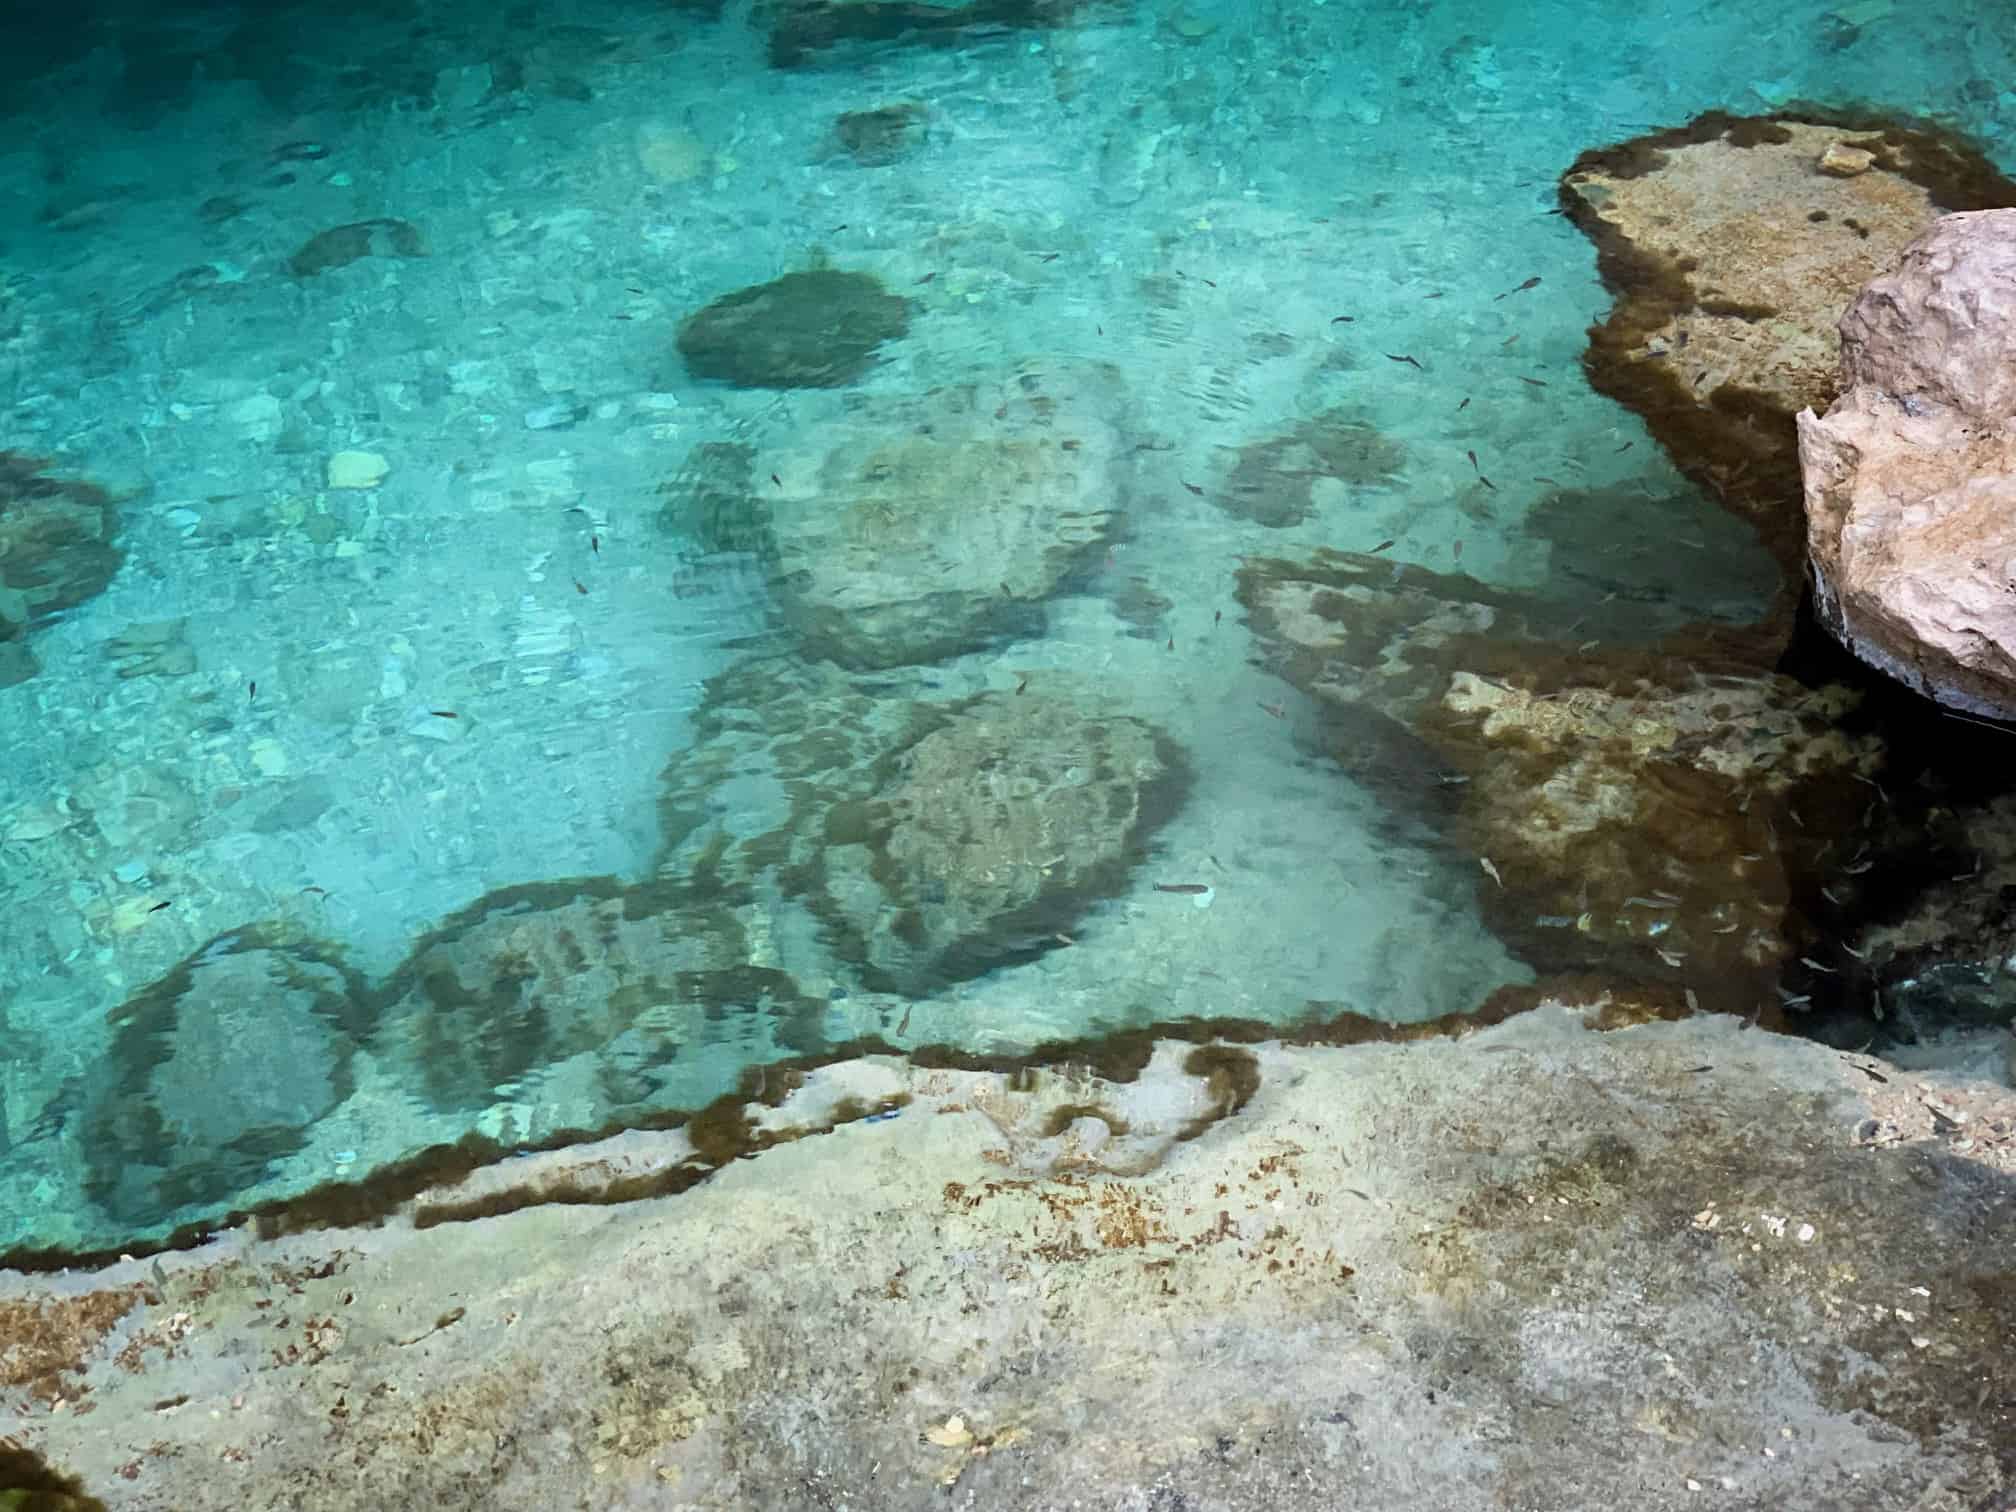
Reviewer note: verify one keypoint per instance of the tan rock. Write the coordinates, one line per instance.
(357, 469)
(1843, 161)
(1910, 479)
(1731, 258)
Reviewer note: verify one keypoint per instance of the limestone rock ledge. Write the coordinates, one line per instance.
(1523, 1268)
(1910, 477)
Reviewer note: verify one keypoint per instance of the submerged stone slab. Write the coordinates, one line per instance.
(930, 839)
(814, 329)
(1518, 1270)
(1911, 475)
(1642, 811)
(56, 552)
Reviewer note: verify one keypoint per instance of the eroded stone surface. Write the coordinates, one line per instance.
(1517, 1270)
(1732, 254)
(1644, 810)
(814, 329)
(1911, 475)
(931, 840)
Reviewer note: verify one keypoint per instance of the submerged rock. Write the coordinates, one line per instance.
(1643, 812)
(56, 551)
(529, 977)
(1911, 475)
(815, 329)
(1731, 254)
(921, 527)
(216, 1072)
(930, 841)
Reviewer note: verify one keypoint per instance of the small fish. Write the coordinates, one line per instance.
(320, 892)
(1531, 283)
(1193, 488)
(777, 480)
(595, 544)
(1342, 319)
(1491, 871)
(164, 903)
(1859, 955)
(1464, 405)
(1403, 357)
(1188, 889)
(1487, 482)
(1050, 257)
(1382, 546)
(1456, 552)
(251, 690)
(1624, 448)
(1217, 615)
(1809, 961)
(444, 713)
(579, 586)
(1473, 460)
(1021, 686)
(1550, 482)
(1436, 295)
(1876, 1076)
(927, 277)
(1534, 381)
(1279, 711)
(1694, 1006)
(1672, 958)
(1729, 928)
(1172, 643)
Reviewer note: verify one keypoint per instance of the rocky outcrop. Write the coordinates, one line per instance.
(56, 551)
(1911, 475)
(1732, 244)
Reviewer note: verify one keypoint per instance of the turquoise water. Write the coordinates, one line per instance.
(474, 730)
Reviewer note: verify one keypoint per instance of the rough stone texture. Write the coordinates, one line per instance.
(1650, 813)
(1668, 1267)
(1732, 254)
(634, 980)
(1911, 476)
(56, 551)
(814, 329)
(216, 1071)
(1284, 479)
(923, 527)
(931, 840)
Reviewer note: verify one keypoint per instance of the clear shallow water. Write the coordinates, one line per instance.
(1147, 223)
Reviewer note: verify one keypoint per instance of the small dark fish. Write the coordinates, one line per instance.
(1530, 283)
(1872, 1075)
(632, 288)
(444, 713)
(777, 480)
(1436, 295)
(1050, 257)
(1217, 615)
(1487, 482)
(579, 586)
(164, 903)
(1193, 488)
(1403, 357)
(928, 277)
(1021, 686)
(1464, 405)
(1534, 381)
(1456, 552)
(1552, 482)
(1342, 319)
(1172, 643)
(251, 690)
(1624, 448)
(595, 544)
(1382, 546)
(1473, 460)
(1188, 889)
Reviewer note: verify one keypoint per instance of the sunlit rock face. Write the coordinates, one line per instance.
(1911, 475)
(1733, 245)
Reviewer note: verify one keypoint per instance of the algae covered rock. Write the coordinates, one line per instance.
(815, 329)
(217, 1071)
(922, 527)
(56, 551)
(1732, 252)
(929, 841)
(530, 976)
